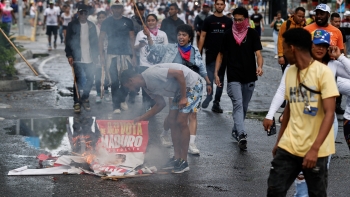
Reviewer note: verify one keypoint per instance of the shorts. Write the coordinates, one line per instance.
(32, 16)
(194, 98)
(64, 27)
(258, 29)
(51, 30)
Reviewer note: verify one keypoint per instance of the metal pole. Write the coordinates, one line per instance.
(20, 18)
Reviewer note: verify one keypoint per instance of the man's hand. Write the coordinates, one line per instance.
(146, 31)
(274, 150)
(183, 103)
(209, 89)
(70, 60)
(259, 71)
(267, 124)
(217, 81)
(334, 52)
(310, 159)
(198, 33)
(281, 60)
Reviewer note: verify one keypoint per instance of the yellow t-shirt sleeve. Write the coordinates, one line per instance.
(328, 85)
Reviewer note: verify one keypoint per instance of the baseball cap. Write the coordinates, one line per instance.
(117, 3)
(82, 8)
(52, 2)
(321, 36)
(255, 8)
(323, 7)
(206, 5)
(140, 6)
(347, 13)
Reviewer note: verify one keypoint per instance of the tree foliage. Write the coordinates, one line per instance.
(7, 56)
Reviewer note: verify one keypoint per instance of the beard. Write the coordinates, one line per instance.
(219, 11)
(322, 23)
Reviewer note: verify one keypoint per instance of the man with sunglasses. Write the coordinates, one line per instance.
(82, 51)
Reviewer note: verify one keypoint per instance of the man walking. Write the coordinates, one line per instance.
(213, 29)
(258, 20)
(306, 136)
(199, 20)
(51, 18)
(170, 24)
(120, 35)
(81, 51)
(239, 47)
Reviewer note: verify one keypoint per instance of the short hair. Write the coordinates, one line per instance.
(126, 75)
(101, 12)
(174, 5)
(186, 28)
(220, 0)
(334, 15)
(155, 16)
(298, 37)
(278, 12)
(299, 9)
(241, 11)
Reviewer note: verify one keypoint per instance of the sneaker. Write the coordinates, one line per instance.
(242, 141)
(76, 107)
(216, 108)
(181, 167)
(192, 149)
(50, 48)
(170, 164)
(206, 102)
(54, 45)
(235, 135)
(124, 106)
(98, 98)
(339, 110)
(86, 105)
(117, 111)
(166, 141)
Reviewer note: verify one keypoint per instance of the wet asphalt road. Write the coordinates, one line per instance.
(221, 169)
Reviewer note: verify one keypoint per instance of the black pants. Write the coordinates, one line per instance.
(118, 92)
(346, 129)
(210, 71)
(83, 72)
(285, 167)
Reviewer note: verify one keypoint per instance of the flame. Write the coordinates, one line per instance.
(89, 157)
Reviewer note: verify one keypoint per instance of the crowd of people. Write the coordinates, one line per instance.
(149, 47)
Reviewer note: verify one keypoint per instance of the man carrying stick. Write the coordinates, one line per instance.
(81, 50)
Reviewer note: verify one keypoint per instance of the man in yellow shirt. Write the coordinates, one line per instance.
(306, 136)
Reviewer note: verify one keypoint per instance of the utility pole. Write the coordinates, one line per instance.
(20, 18)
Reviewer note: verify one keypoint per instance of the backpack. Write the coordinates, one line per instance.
(289, 22)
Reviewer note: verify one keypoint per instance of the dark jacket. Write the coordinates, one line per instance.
(73, 41)
(199, 20)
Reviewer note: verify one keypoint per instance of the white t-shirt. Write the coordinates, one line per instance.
(84, 43)
(51, 16)
(32, 11)
(93, 18)
(146, 58)
(66, 19)
(182, 17)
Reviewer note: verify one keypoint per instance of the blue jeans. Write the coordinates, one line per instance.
(210, 72)
(240, 95)
(83, 72)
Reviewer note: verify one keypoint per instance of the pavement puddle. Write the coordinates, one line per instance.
(57, 135)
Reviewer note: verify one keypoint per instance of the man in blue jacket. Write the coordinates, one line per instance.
(82, 50)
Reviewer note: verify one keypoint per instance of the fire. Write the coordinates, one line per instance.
(89, 157)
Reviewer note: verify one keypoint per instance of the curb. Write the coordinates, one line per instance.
(28, 54)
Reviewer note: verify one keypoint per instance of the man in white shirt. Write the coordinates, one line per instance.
(51, 18)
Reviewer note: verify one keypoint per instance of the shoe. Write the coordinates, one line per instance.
(207, 101)
(192, 149)
(170, 164)
(339, 110)
(54, 45)
(166, 141)
(181, 167)
(76, 107)
(235, 135)
(242, 141)
(276, 56)
(98, 98)
(216, 108)
(117, 111)
(86, 105)
(124, 106)
(272, 128)
(50, 48)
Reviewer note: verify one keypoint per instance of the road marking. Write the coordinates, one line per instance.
(42, 64)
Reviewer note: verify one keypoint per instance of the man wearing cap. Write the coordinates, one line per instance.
(345, 26)
(213, 29)
(258, 20)
(51, 18)
(198, 21)
(323, 12)
(120, 52)
(170, 23)
(82, 53)
(136, 19)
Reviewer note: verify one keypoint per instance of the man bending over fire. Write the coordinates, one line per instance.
(186, 87)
